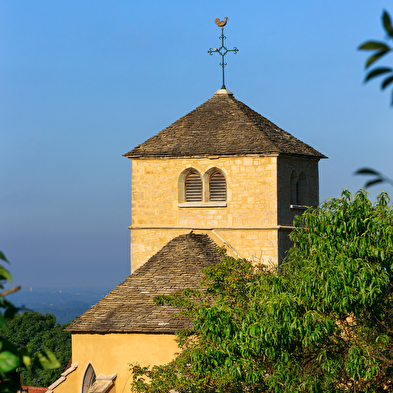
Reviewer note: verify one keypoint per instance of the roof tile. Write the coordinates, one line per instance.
(130, 306)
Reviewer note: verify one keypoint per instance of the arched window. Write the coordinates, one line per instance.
(88, 379)
(217, 187)
(298, 189)
(193, 187)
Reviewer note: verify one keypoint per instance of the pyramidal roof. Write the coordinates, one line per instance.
(222, 126)
(130, 308)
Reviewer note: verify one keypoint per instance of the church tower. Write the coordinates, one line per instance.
(226, 171)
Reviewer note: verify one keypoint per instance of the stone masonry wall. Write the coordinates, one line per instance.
(248, 221)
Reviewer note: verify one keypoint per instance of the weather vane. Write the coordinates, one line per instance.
(222, 50)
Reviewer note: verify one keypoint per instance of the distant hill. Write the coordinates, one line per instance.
(65, 303)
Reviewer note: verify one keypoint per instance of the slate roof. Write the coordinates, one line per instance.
(222, 125)
(129, 308)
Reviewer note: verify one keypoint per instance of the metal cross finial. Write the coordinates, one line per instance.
(222, 50)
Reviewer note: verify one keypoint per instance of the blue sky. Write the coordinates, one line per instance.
(82, 82)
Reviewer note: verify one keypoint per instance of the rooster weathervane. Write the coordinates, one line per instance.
(222, 50)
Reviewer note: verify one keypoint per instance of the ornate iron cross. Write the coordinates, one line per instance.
(223, 50)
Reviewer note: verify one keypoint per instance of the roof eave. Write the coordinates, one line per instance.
(167, 156)
(116, 331)
(315, 157)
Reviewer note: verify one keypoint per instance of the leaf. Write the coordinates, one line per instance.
(387, 23)
(373, 182)
(372, 59)
(25, 353)
(367, 171)
(374, 45)
(2, 256)
(8, 361)
(376, 72)
(386, 82)
(47, 360)
(5, 274)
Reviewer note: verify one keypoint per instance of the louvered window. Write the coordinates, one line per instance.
(217, 187)
(193, 187)
(88, 379)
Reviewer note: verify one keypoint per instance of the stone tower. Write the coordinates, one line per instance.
(224, 170)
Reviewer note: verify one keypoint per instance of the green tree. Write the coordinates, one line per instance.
(13, 358)
(322, 323)
(36, 331)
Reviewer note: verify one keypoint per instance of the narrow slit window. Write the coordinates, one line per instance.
(193, 187)
(302, 190)
(294, 189)
(217, 187)
(298, 189)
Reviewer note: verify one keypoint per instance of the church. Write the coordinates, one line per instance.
(222, 175)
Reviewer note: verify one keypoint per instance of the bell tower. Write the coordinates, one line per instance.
(224, 170)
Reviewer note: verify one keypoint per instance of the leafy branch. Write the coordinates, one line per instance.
(380, 49)
(378, 177)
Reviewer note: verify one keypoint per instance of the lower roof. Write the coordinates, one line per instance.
(129, 308)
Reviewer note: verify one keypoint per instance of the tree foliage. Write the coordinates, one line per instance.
(322, 323)
(35, 331)
(12, 357)
(380, 49)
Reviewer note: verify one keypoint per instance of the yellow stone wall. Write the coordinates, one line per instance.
(257, 208)
(251, 210)
(112, 353)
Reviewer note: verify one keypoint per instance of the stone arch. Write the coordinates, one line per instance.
(190, 187)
